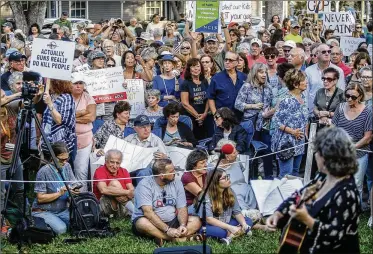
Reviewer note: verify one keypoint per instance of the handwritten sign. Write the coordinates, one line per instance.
(349, 44)
(206, 17)
(105, 85)
(52, 58)
(319, 6)
(236, 11)
(342, 23)
(135, 96)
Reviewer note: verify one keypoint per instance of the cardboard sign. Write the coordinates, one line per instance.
(206, 17)
(135, 96)
(52, 58)
(319, 6)
(236, 11)
(349, 44)
(105, 85)
(342, 23)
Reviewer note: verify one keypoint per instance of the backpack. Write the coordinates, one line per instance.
(89, 208)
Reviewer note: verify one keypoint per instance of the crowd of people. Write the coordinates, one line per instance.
(202, 91)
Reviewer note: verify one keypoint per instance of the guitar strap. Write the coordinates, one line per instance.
(317, 206)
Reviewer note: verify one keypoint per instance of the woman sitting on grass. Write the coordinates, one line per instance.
(221, 205)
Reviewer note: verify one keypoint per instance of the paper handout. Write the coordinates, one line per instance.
(271, 193)
(134, 157)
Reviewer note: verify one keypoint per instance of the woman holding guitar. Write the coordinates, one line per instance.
(330, 216)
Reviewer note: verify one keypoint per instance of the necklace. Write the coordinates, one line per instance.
(327, 98)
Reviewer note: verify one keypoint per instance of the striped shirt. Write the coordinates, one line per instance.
(355, 128)
(65, 132)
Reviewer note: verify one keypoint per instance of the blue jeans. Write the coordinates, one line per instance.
(15, 187)
(359, 175)
(59, 222)
(290, 166)
(370, 172)
(265, 137)
(217, 232)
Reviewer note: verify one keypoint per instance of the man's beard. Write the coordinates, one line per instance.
(167, 181)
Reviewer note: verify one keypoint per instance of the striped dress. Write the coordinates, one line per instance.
(355, 128)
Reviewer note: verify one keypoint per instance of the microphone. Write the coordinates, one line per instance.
(225, 149)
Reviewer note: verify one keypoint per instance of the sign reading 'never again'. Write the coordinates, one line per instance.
(52, 58)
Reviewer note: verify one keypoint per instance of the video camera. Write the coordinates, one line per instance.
(30, 84)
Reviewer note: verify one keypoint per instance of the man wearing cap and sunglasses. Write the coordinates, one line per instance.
(294, 33)
(314, 74)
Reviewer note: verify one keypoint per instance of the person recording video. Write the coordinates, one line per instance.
(52, 198)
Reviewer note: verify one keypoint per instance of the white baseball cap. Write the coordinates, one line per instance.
(256, 40)
(290, 44)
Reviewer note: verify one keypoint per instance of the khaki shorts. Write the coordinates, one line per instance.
(107, 209)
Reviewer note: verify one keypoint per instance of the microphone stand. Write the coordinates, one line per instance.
(203, 201)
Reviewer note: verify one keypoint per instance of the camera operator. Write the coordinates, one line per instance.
(10, 106)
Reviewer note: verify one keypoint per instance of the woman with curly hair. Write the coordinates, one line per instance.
(332, 220)
(224, 218)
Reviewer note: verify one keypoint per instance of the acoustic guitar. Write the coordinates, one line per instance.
(294, 232)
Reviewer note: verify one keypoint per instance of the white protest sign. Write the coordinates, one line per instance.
(349, 44)
(84, 67)
(134, 157)
(52, 58)
(178, 155)
(342, 23)
(236, 11)
(318, 6)
(135, 96)
(105, 85)
(190, 6)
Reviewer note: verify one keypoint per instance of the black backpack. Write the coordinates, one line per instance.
(89, 208)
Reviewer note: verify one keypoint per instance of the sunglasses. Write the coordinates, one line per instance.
(313, 55)
(327, 79)
(185, 48)
(326, 51)
(307, 44)
(358, 27)
(286, 50)
(315, 29)
(308, 24)
(164, 194)
(110, 65)
(227, 177)
(272, 56)
(353, 97)
(230, 60)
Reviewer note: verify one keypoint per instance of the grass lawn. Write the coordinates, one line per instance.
(125, 242)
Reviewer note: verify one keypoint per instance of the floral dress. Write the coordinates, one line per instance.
(294, 115)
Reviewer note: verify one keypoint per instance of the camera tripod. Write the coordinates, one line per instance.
(28, 112)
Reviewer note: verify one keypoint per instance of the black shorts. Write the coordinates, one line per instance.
(172, 224)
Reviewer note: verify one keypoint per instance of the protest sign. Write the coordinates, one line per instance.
(52, 58)
(135, 96)
(105, 85)
(319, 6)
(178, 155)
(349, 44)
(206, 17)
(236, 11)
(84, 67)
(134, 157)
(342, 23)
(190, 6)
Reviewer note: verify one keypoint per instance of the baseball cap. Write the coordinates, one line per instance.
(16, 56)
(77, 77)
(7, 24)
(256, 40)
(232, 24)
(290, 44)
(294, 24)
(211, 38)
(64, 13)
(141, 120)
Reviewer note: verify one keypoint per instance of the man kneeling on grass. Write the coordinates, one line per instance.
(160, 207)
(115, 193)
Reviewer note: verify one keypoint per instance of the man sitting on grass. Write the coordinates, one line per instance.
(115, 195)
(160, 207)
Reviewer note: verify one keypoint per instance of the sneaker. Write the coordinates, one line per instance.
(225, 241)
(370, 222)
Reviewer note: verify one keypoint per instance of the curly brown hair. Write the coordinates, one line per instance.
(61, 86)
(293, 78)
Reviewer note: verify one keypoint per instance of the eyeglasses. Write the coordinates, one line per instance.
(230, 60)
(313, 55)
(353, 97)
(326, 51)
(307, 44)
(286, 50)
(362, 77)
(110, 65)
(328, 79)
(164, 194)
(272, 56)
(227, 177)
(185, 48)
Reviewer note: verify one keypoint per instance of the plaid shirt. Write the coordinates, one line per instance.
(65, 132)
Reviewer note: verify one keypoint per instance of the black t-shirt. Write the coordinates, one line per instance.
(197, 94)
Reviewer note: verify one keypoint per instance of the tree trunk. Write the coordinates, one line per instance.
(34, 14)
(175, 10)
(272, 8)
